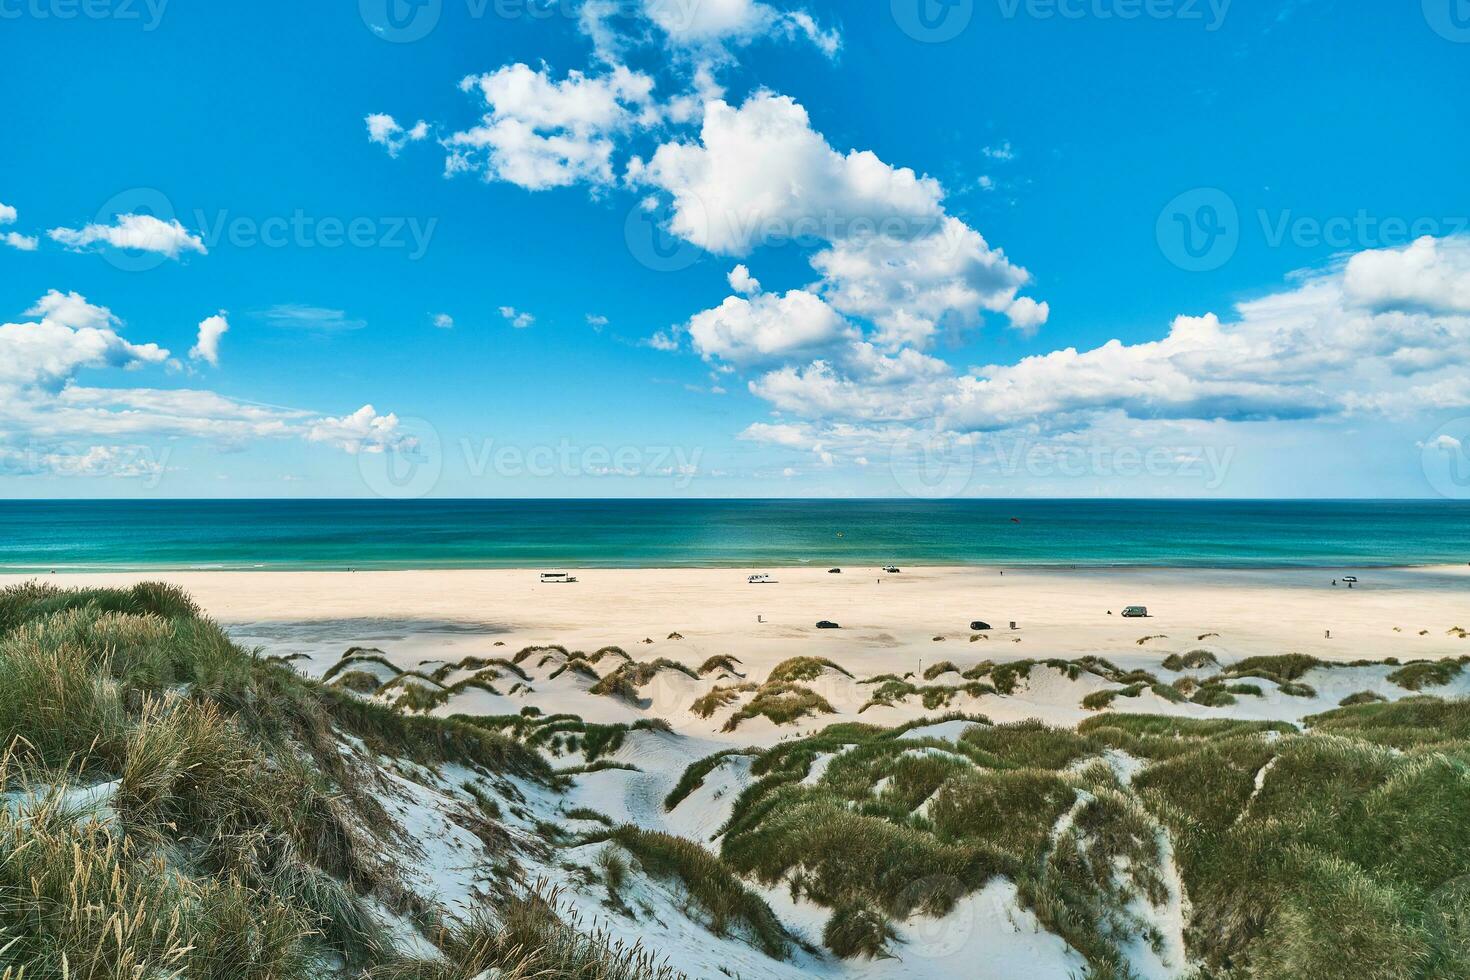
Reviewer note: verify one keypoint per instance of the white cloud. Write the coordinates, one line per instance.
(143, 232)
(596, 321)
(712, 26)
(211, 329)
(443, 321)
(1431, 273)
(893, 256)
(767, 327)
(986, 183)
(52, 423)
(364, 431)
(1001, 151)
(516, 318)
(1311, 351)
(663, 340)
(1443, 441)
(743, 282)
(25, 243)
(297, 316)
(69, 335)
(387, 132)
(761, 169)
(8, 214)
(540, 133)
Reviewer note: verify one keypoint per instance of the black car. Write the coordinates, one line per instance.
(977, 626)
(827, 624)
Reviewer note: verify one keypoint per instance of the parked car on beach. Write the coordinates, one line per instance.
(1136, 612)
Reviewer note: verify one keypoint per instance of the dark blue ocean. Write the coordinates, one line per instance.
(90, 535)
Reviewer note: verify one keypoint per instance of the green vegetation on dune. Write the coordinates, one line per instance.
(726, 902)
(1294, 847)
(175, 806)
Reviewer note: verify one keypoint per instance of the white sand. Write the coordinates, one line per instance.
(888, 626)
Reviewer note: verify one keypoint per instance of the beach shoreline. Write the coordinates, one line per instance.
(887, 621)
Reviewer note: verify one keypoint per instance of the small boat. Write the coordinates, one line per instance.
(557, 578)
(762, 580)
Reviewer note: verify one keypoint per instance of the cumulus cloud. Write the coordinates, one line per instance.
(540, 133)
(766, 327)
(1322, 349)
(142, 232)
(8, 214)
(760, 174)
(516, 318)
(1433, 274)
(25, 243)
(388, 133)
(743, 282)
(364, 431)
(211, 329)
(443, 321)
(68, 335)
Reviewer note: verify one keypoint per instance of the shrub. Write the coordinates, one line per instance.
(1193, 660)
(858, 929)
(782, 704)
(1422, 674)
(727, 902)
(803, 669)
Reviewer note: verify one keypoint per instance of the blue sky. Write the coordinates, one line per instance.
(1031, 168)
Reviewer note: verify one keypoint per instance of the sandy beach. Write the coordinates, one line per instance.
(888, 621)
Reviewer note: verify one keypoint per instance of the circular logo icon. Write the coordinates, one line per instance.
(1445, 456)
(408, 466)
(652, 242)
(1449, 18)
(1199, 230)
(933, 21)
(401, 21)
(933, 467)
(137, 255)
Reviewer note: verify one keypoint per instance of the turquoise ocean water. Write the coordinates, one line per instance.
(92, 535)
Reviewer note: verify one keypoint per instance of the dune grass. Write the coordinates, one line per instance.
(798, 669)
(782, 704)
(1428, 673)
(728, 905)
(177, 806)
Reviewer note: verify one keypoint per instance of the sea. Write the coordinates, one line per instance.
(73, 536)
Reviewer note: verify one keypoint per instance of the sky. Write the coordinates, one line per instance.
(731, 248)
